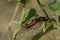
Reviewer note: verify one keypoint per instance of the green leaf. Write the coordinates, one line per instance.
(16, 31)
(41, 33)
(42, 6)
(55, 7)
(46, 27)
(25, 1)
(29, 15)
(43, 26)
(43, 2)
(48, 24)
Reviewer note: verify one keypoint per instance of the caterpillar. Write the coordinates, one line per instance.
(33, 22)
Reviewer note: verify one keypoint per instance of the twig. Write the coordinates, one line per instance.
(42, 9)
(21, 19)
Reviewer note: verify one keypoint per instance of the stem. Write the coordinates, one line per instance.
(42, 9)
(21, 19)
(14, 14)
(58, 18)
(45, 13)
(39, 3)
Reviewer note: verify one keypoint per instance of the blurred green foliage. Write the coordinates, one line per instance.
(55, 7)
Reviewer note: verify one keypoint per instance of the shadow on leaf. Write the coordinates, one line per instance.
(40, 34)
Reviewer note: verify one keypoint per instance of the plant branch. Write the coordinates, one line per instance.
(45, 13)
(42, 9)
(21, 19)
(14, 14)
(39, 3)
